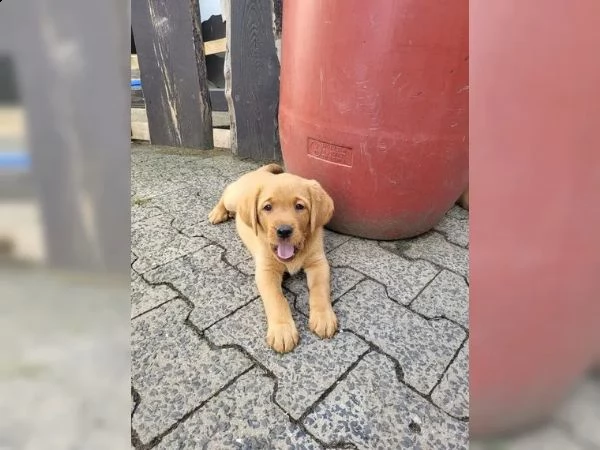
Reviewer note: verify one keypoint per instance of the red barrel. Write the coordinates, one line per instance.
(535, 186)
(374, 105)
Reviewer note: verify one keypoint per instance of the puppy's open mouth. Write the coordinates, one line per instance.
(285, 251)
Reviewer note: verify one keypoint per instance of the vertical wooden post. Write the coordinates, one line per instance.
(168, 40)
(252, 79)
(76, 97)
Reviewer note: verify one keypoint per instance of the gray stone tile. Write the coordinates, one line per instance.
(457, 212)
(157, 175)
(547, 437)
(424, 348)
(139, 154)
(186, 202)
(452, 394)
(215, 288)
(247, 267)
(332, 240)
(156, 242)
(145, 296)
(373, 410)
(226, 236)
(210, 186)
(433, 247)
(240, 417)
(140, 211)
(232, 167)
(404, 279)
(192, 223)
(455, 230)
(304, 374)
(172, 166)
(161, 174)
(148, 186)
(581, 412)
(342, 280)
(174, 370)
(446, 296)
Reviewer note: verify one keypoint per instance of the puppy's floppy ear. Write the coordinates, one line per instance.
(321, 206)
(247, 208)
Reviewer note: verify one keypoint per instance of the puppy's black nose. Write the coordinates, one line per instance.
(284, 231)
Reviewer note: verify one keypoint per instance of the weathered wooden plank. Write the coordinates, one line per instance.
(139, 130)
(217, 99)
(170, 52)
(252, 79)
(214, 47)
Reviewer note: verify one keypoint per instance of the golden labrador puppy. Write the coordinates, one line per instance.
(280, 219)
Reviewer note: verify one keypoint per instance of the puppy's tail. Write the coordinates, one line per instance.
(273, 168)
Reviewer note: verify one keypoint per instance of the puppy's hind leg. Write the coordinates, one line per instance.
(219, 213)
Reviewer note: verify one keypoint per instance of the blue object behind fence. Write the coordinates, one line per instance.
(15, 160)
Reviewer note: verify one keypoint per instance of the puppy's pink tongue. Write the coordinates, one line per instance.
(285, 250)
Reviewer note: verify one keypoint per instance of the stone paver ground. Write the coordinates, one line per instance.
(395, 376)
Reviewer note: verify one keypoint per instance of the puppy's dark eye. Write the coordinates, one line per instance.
(299, 206)
(267, 207)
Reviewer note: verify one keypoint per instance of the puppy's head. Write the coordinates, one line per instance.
(285, 210)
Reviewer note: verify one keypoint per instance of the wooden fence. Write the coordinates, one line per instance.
(179, 103)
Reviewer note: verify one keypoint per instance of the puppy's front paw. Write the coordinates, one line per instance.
(218, 214)
(282, 337)
(323, 323)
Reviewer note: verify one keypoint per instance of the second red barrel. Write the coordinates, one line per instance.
(374, 105)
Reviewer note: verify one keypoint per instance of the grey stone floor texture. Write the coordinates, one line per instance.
(395, 376)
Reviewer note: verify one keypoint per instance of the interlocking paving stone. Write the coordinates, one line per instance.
(183, 202)
(247, 267)
(145, 296)
(192, 223)
(404, 279)
(174, 370)
(452, 394)
(156, 175)
(549, 437)
(332, 240)
(303, 374)
(457, 212)
(142, 212)
(215, 288)
(216, 273)
(424, 348)
(232, 167)
(433, 247)
(373, 410)
(448, 296)
(455, 230)
(156, 242)
(198, 198)
(160, 174)
(226, 236)
(240, 417)
(145, 186)
(342, 280)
